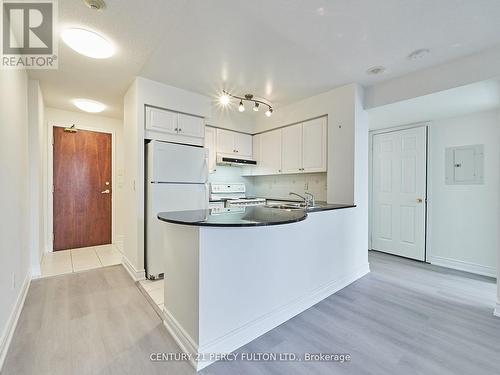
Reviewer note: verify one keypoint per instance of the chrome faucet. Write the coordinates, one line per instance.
(300, 196)
(311, 201)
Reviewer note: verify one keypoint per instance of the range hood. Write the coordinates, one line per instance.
(229, 160)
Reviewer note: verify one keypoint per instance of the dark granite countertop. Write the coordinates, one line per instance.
(234, 217)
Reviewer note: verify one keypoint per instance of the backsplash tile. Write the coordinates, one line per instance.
(281, 185)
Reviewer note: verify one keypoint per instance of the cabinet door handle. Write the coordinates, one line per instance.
(176, 129)
(180, 129)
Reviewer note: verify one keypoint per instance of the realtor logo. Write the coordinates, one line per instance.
(28, 34)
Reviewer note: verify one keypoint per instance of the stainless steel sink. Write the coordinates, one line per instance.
(287, 206)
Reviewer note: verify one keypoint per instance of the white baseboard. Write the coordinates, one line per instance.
(181, 337)
(13, 319)
(250, 331)
(497, 310)
(136, 275)
(36, 271)
(463, 266)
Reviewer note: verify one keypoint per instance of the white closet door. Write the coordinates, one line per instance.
(399, 188)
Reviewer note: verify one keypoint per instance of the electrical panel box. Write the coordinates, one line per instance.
(465, 165)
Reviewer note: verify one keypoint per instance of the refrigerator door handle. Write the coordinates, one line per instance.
(207, 195)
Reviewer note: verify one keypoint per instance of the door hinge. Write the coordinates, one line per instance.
(52, 189)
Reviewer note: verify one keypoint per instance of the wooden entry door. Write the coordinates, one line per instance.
(399, 192)
(82, 189)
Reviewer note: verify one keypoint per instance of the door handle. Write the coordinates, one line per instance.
(107, 191)
(419, 200)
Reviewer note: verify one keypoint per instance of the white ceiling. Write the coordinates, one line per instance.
(476, 97)
(284, 50)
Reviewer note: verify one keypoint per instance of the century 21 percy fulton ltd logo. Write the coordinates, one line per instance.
(28, 34)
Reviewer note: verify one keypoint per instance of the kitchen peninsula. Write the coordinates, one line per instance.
(231, 276)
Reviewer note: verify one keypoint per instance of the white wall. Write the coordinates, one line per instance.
(140, 93)
(497, 309)
(460, 101)
(231, 118)
(339, 104)
(86, 121)
(37, 178)
(464, 219)
(14, 198)
(227, 174)
(473, 68)
(279, 186)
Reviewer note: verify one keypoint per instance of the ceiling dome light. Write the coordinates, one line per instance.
(241, 107)
(256, 107)
(269, 112)
(88, 105)
(418, 54)
(376, 70)
(224, 99)
(88, 43)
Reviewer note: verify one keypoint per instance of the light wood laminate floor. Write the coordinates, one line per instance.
(403, 318)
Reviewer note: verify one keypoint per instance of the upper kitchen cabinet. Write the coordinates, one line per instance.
(267, 152)
(243, 144)
(191, 126)
(211, 144)
(172, 126)
(291, 149)
(299, 148)
(304, 147)
(161, 120)
(234, 143)
(314, 141)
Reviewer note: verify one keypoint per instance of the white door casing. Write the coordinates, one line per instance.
(399, 192)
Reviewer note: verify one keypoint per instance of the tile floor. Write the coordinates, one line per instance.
(154, 290)
(75, 260)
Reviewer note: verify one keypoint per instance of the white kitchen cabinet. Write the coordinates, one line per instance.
(161, 120)
(211, 144)
(165, 125)
(314, 141)
(234, 143)
(225, 141)
(190, 126)
(243, 144)
(268, 153)
(291, 138)
(299, 148)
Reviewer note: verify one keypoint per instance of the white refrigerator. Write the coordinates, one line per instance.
(176, 181)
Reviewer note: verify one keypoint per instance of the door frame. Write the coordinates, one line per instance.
(427, 206)
(50, 181)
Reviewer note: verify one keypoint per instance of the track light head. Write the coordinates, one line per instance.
(224, 99)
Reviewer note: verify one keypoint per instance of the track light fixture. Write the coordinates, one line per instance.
(226, 97)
